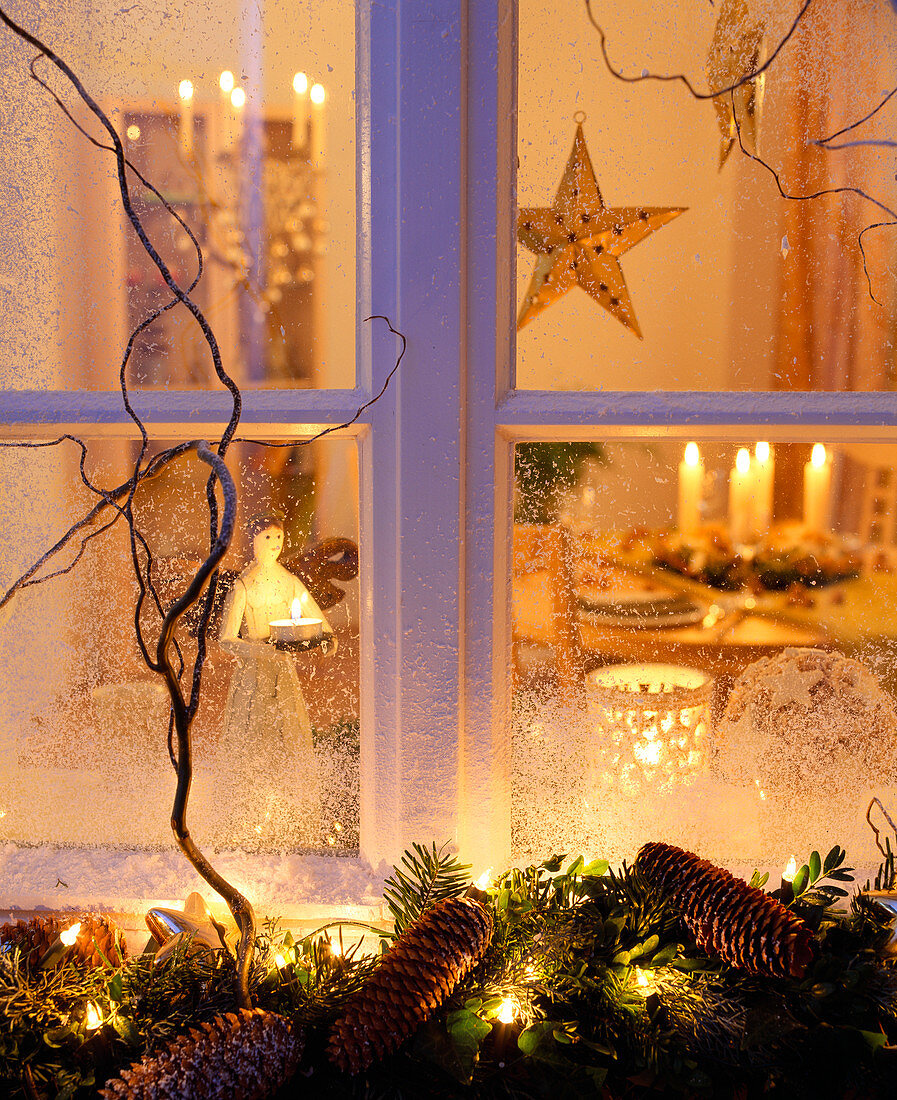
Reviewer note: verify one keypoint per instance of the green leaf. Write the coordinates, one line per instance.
(665, 955)
(799, 882)
(874, 1039)
(114, 988)
(835, 856)
(815, 866)
(57, 1036)
(126, 1029)
(575, 867)
(597, 868)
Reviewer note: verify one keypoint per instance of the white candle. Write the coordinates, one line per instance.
(300, 111)
(764, 467)
(237, 102)
(185, 127)
(318, 126)
(691, 488)
(742, 486)
(225, 111)
(817, 490)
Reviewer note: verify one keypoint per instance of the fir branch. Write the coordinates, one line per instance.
(429, 875)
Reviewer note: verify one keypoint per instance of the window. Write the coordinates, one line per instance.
(431, 174)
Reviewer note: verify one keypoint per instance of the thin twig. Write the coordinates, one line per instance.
(887, 816)
(681, 78)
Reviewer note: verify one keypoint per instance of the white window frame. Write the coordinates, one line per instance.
(436, 213)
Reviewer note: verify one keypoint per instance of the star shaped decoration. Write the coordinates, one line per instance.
(736, 50)
(578, 241)
(887, 899)
(171, 927)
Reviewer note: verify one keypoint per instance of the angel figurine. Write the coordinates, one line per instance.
(267, 733)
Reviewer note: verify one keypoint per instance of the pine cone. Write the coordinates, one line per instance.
(246, 1055)
(418, 973)
(742, 925)
(97, 934)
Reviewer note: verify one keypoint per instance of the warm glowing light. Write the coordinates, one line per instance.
(484, 880)
(336, 947)
(790, 871)
(296, 610)
(317, 93)
(642, 979)
(279, 961)
(185, 89)
(692, 454)
(743, 460)
(69, 936)
(818, 455)
(133, 133)
(507, 1012)
(93, 1019)
(300, 83)
(762, 452)
(226, 82)
(238, 98)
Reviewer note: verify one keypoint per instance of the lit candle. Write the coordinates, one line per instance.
(691, 487)
(741, 493)
(185, 129)
(817, 490)
(296, 628)
(226, 114)
(318, 127)
(765, 475)
(237, 102)
(300, 111)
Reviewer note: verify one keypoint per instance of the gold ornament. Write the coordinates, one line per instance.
(578, 240)
(735, 51)
(171, 927)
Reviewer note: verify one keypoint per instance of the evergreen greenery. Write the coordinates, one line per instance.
(610, 997)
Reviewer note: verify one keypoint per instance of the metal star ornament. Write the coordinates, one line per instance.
(170, 927)
(735, 51)
(887, 899)
(578, 241)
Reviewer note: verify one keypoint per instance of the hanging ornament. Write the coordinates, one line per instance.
(742, 925)
(247, 1055)
(887, 899)
(171, 927)
(736, 50)
(578, 239)
(417, 974)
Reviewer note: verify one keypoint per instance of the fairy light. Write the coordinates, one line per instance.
(238, 98)
(485, 879)
(69, 936)
(185, 90)
(817, 457)
(279, 961)
(300, 83)
(692, 454)
(93, 1019)
(761, 451)
(507, 1012)
(226, 82)
(133, 132)
(790, 870)
(317, 93)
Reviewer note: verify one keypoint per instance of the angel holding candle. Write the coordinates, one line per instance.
(267, 733)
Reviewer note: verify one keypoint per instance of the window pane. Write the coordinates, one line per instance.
(84, 722)
(704, 654)
(743, 290)
(266, 183)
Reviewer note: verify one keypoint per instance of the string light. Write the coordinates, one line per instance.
(93, 1019)
(317, 93)
(484, 880)
(226, 82)
(300, 83)
(69, 936)
(507, 1012)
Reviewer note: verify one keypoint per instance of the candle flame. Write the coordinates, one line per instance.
(507, 1012)
(484, 880)
(317, 93)
(762, 452)
(790, 871)
(743, 461)
(692, 454)
(238, 98)
(185, 89)
(300, 83)
(93, 1019)
(818, 456)
(296, 610)
(226, 82)
(69, 936)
